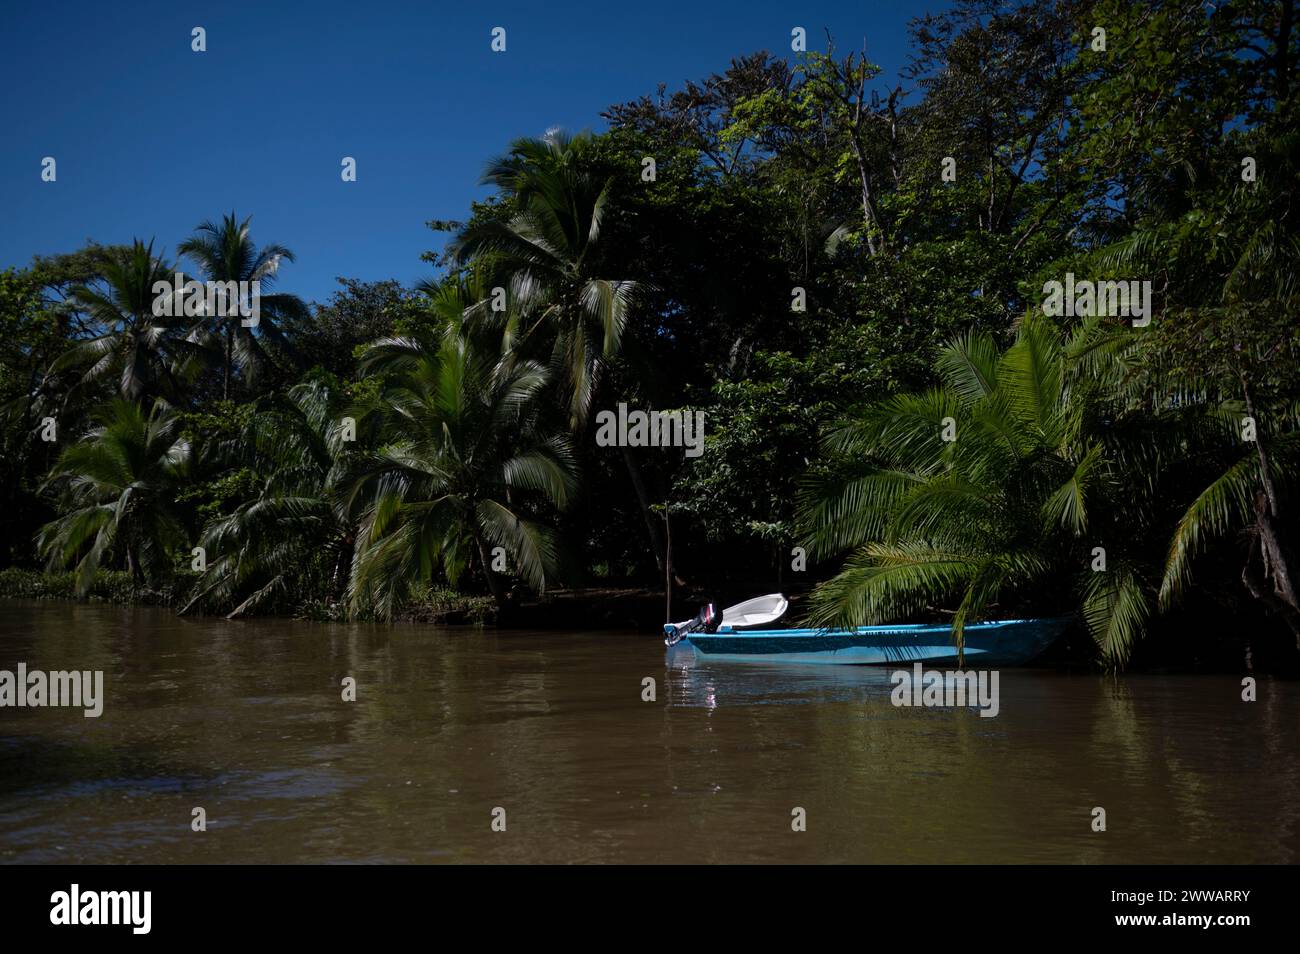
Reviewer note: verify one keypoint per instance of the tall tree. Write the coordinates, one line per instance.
(224, 252)
(547, 257)
(117, 487)
(547, 253)
(464, 458)
(293, 536)
(136, 353)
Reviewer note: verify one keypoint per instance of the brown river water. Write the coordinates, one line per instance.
(246, 720)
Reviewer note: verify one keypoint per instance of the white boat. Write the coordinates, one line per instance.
(752, 614)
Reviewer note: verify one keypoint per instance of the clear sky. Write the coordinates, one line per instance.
(151, 138)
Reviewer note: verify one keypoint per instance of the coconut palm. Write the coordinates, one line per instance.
(292, 532)
(463, 462)
(561, 305)
(139, 354)
(224, 252)
(117, 488)
(546, 256)
(984, 491)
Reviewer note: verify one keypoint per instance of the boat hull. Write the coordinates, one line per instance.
(1003, 643)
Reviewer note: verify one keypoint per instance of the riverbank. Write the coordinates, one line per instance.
(1180, 642)
(596, 607)
(582, 607)
(107, 586)
(116, 587)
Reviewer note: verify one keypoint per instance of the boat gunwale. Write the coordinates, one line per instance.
(902, 629)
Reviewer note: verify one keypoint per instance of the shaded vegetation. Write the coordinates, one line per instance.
(844, 271)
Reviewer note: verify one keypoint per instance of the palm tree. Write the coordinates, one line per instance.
(118, 487)
(463, 463)
(1247, 496)
(983, 490)
(139, 354)
(225, 252)
(293, 535)
(1224, 352)
(547, 256)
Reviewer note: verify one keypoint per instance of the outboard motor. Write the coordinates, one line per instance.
(707, 620)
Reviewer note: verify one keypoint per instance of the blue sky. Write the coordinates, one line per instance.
(151, 138)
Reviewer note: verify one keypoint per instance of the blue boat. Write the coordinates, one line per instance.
(1003, 643)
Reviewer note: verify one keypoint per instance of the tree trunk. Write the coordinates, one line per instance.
(341, 563)
(668, 571)
(1274, 549)
(230, 351)
(1256, 580)
(643, 500)
(1281, 56)
(494, 585)
(1277, 574)
(868, 207)
(133, 564)
(852, 100)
